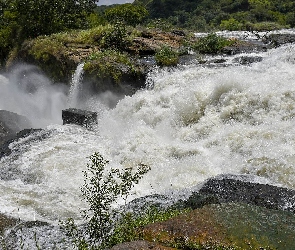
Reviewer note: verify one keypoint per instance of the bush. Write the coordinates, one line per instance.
(102, 187)
(166, 57)
(128, 14)
(116, 37)
(211, 44)
(109, 64)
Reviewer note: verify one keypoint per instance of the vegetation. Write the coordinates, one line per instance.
(206, 15)
(23, 19)
(166, 57)
(102, 187)
(212, 44)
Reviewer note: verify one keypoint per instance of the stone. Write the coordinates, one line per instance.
(140, 245)
(225, 226)
(79, 117)
(10, 124)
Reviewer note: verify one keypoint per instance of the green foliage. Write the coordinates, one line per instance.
(23, 19)
(116, 37)
(207, 15)
(211, 44)
(166, 57)
(102, 187)
(231, 24)
(108, 63)
(128, 14)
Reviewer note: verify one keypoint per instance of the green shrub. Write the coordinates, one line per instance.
(211, 44)
(116, 37)
(109, 63)
(166, 57)
(102, 187)
(231, 24)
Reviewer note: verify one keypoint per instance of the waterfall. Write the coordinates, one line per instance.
(195, 123)
(75, 86)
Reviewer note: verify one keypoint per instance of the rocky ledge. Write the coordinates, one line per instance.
(125, 72)
(227, 212)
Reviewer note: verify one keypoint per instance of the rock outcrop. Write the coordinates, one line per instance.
(10, 124)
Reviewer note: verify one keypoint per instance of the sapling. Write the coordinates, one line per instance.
(101, 189)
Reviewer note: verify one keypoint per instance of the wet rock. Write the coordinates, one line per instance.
(229, 189)
(140, 244)
(79, 117)
(279, 39)
(244, 60)
(10, 124)
(226, 225)
(245, 47)
(5, 150)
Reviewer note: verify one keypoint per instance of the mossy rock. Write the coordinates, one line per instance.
(226, 226)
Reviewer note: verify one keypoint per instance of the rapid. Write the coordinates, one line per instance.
(189, 124)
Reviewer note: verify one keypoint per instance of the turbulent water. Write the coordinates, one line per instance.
(190, 124)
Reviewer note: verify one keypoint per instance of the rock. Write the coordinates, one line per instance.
(10, 124)
(225, 226)
(79, 117)
(227, 189)
(247, 59)
(279, 39)
(6, 222)
(140, 245)
(5, 149)
(244, 47)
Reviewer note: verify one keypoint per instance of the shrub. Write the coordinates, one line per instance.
(116, 37)
(109, 63)
(129, 14)
(166, 57)
(102, 187)
(211, 44)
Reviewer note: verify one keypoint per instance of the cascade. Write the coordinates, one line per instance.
(75, 86)
(195, 123)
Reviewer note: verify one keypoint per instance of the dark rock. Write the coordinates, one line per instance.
(280, 39)
(10, 124)
(79, 117)
(247, 59)
(224, 190)
(4, 148)
(245, 47)
(178, 32)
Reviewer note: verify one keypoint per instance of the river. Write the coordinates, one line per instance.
(195, 122)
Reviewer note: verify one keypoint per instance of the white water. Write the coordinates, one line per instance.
(75, 86)
(195, 123)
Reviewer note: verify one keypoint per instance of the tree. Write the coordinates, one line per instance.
(22, 19)
(128, 14)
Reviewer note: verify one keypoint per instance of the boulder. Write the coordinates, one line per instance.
(79, 117)
(10, 124)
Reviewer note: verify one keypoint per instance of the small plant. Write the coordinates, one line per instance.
(212, 44)
(166, 57)
(101, 189)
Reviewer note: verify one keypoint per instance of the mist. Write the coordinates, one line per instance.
(27, 91)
